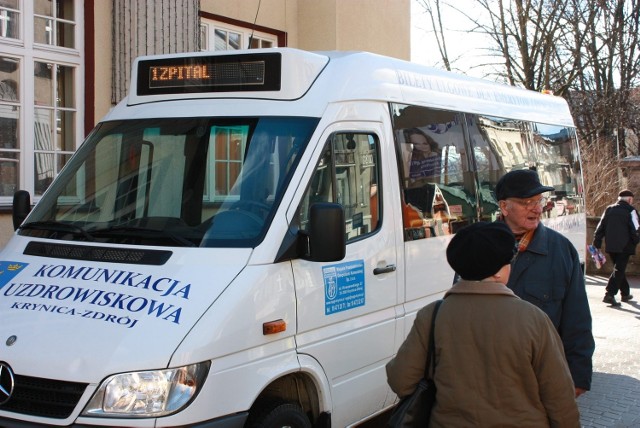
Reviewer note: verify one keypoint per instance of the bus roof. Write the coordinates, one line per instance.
(286, 74)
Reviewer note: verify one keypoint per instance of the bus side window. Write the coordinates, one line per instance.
(438, 184)
(347, 173)
(498, 145)
(558, 165)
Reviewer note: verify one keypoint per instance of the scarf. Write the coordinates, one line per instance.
(522, 244)
(524, 241)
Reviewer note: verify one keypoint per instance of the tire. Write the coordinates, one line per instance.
(278, 415)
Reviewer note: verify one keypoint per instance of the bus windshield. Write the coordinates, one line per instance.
(174, 182)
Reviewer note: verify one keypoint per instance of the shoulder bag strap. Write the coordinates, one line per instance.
(431, 358)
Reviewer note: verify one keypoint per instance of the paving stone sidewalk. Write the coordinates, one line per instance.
(614, 399)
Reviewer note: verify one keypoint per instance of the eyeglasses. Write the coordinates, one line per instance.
(530, 203)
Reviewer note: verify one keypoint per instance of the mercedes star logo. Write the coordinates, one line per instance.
(6, 383)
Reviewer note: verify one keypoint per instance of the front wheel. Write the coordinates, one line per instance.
(278, 415)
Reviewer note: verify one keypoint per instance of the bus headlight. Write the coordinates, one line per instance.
(151, 393)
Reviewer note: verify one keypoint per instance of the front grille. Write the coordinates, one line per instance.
(44, 397)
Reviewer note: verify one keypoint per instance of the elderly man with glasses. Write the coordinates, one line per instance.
(546, 270)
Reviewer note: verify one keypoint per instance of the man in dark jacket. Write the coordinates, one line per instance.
(618, 226)
(547, 270)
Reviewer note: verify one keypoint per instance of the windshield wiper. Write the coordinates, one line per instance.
(56, 226)
(142, 232)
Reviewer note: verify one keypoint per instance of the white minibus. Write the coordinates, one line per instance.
(245, 239)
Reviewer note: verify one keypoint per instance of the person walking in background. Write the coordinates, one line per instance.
(618, 226)
(499, 359)
(547, 270)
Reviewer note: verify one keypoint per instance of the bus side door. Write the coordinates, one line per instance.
(346, 315)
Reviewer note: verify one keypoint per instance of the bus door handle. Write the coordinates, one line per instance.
(386, 269)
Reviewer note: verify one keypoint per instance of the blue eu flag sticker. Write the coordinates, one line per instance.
(8, 270)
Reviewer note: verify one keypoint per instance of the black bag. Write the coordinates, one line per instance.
(415, 410)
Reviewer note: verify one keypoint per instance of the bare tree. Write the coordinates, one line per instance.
(601, 177)
(434, 12)
(523, 33)
(605, 39)
(583, 50)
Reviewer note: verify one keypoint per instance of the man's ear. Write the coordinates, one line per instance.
(503, 207)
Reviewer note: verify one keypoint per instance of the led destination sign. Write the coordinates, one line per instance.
(171, 74)
(227, 73)
(204, 74)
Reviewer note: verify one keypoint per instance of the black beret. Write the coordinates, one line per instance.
(625, 192)
(481, 249)
(520, 183)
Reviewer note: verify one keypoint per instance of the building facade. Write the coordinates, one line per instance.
(65, 63)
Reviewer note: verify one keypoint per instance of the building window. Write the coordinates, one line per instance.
(217, 36)
(10, 19)
(204, 37)
(225, 40)
(39, 93)
(54, 125)
(9, 125)
(258, 43)
(230, 144)
(54, 22)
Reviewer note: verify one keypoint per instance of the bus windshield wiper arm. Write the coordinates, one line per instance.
(57, 226)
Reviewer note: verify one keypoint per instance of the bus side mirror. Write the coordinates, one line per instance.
(21, 207)
(327, 232)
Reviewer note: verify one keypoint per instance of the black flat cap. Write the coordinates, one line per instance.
(520, 183)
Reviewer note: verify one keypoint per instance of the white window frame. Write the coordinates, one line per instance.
(209, 26)
(53, 32)
(28, 53)
(213, 161)
(5, 18)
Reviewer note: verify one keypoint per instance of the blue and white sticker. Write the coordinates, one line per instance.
(343, 286)
(8, 270)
